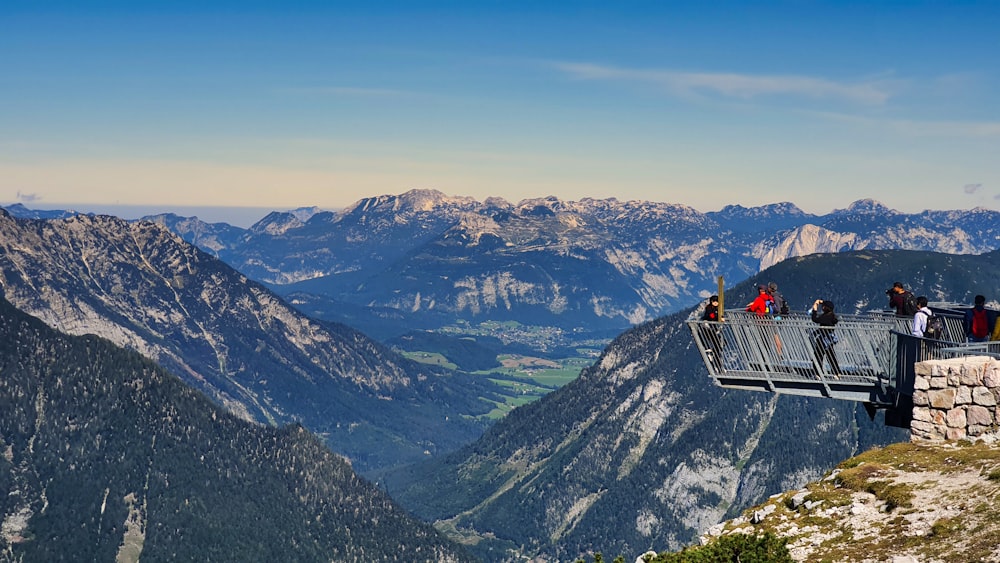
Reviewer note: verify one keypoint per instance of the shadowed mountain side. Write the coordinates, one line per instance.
(144, 288)
(107, 457)
(644, 451)
(856, 281)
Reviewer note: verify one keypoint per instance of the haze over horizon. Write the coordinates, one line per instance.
(172, 106)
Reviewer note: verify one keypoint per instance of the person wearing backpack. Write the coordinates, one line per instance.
(903, 301)
(778, 309)
(780, 305)
(979, 322)
(823, 337)
(925, 323)
(763, 305)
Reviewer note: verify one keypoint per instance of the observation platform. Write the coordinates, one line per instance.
(875, 355)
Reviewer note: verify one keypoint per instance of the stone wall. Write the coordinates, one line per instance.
(956, 399)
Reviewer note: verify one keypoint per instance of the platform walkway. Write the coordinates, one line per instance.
(875, 354)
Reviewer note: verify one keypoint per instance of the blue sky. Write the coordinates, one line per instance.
(159, 106)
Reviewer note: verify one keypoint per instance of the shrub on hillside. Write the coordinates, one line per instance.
(732, 548)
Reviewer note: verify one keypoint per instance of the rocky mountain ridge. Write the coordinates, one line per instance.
(144, 288)
(432, 258)
(592, 262)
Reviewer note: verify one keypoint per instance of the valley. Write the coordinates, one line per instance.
(411, 281)
(530, 390)
(542, 277)
(548, 358)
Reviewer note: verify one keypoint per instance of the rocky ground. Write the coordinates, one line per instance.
(906, 503)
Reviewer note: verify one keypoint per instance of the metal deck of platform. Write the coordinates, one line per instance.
(875, 353)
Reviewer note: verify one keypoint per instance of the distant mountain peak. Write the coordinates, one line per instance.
(416, 200)
(781, 208)
(775, 216)
(19, 210)
(277, 223)
(494, 202)
(540, 206)
(785, 207)
(866, 207)
(427, 199)
(304, 213)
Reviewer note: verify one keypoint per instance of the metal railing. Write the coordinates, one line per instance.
(867, 358)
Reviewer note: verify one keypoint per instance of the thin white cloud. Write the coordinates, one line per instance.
(917, 128)
(976, 129)
(972, 188)
(958, 83)
(350, 91)
(28, 198)
(734, 85)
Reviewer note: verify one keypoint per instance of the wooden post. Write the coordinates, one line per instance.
(722, 297)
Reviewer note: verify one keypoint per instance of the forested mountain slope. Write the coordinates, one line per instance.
(104, 457)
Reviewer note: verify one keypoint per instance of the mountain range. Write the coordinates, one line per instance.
(590, 266)
(142, 287)
(639, 452)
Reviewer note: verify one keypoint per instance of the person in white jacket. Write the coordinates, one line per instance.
(920, 319)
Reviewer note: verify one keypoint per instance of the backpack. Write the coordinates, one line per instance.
(769, 307)
(935, 327)
(910, 304)
(780, 306)
(980, 328)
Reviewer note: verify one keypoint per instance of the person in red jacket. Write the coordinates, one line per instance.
(763, 304)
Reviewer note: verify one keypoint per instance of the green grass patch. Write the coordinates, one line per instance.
(864, 477)
(432, 358)
(945, 527)
(909, 456)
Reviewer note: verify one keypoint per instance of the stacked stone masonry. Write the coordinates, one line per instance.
(956, 399)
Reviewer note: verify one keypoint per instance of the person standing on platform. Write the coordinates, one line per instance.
(711, 334)
(823, 337)
(979, 322)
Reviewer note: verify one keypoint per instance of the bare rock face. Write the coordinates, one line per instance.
(546, 261)
(551, 262)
